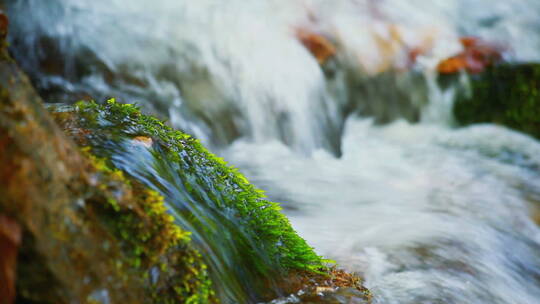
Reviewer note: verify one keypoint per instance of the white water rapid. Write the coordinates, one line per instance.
(362, 153)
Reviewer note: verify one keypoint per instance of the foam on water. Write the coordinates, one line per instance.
(426, 214)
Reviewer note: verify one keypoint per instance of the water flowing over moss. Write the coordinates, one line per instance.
(244, 236)
(506, 94)
(154, 246)
(270, 225)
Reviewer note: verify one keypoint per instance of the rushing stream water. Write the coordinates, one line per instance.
(426, 212)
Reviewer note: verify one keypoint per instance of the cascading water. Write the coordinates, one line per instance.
(426, 213)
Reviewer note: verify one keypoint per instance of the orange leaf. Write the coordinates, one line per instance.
(319, 46)
(476, 56)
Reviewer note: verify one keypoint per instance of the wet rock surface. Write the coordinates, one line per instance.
(62, 202)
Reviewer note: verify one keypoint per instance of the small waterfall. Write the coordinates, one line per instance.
(260, 83)
(427, 214)
(361, 150)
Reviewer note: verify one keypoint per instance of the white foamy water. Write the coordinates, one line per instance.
(426, 213)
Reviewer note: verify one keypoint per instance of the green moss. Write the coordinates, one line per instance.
(222, 183)
(245, 238)
(507, 94)
(156, 249)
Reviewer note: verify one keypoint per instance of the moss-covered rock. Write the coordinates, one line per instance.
(264, 249)
(505, 94)
(244, 236)
(267, 223)
(96, 231)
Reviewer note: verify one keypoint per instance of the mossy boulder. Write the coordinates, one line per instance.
(115, 121)
(230, 219)
(505, 94)
(244, 236)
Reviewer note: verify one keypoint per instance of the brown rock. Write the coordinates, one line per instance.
(10, 239)
(44, 182)
(4, 23)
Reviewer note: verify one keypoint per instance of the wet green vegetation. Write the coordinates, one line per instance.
(264, 218)
(244, 237)
(154, 246)
(505, 94)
